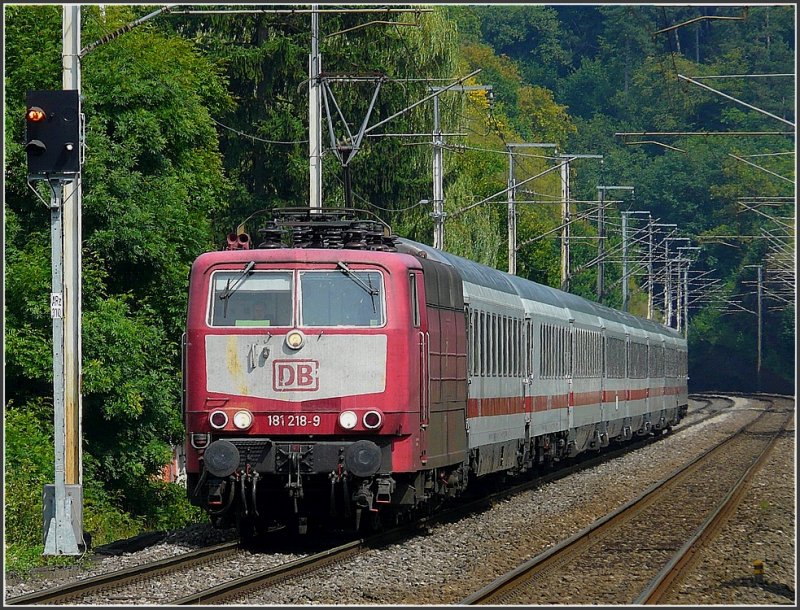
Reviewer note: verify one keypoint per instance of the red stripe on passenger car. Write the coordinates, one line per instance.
(511, 405)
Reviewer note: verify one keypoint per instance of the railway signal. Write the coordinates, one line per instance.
(52, 136)
(52, 144)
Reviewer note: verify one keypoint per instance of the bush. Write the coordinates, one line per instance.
(29, 465)
(169, 507)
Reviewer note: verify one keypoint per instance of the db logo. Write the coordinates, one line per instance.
(295, 375)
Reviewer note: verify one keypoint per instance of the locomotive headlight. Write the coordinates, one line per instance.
(348, 420)
(243, 419)
(372, 420)
(295, 339)
(218, 419)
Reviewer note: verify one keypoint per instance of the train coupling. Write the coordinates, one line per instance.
(294, 483)
(363, 497)
(215, 493)
(386, 486)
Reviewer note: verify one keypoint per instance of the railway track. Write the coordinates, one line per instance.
(265, 578)
(114, 580)
(623, 551)
(240, 587)
(662, 587)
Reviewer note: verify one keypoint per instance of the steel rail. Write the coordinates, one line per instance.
(562, 552)
(271, 576)
(678, 567)
(120, 578)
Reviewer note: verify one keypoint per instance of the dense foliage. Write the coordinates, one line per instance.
(194, 122)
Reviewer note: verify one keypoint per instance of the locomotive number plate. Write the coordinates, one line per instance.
(294, 421)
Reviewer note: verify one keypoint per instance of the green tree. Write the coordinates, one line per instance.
(152, 178)
(266, 58)
(520, 113)
(530, 35)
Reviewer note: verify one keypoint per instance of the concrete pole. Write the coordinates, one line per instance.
(650, 268)
(438, 214)
(512, 216)
(601, 246)
(686, 300)
(679, 297)
(667, 296)
(668, 288)
(666, 260)
(63, 501)
(71, 217)
(438, 180)
(683, 302)
(601, 231)
(668, 293)
(314, 115)
(624, 261)
(565, 218)
(54, 531)
(760, 326)
(511, 195)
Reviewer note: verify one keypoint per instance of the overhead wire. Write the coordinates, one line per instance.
(256, 138)
(376, 206)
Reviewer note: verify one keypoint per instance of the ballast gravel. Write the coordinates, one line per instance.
(455, 559)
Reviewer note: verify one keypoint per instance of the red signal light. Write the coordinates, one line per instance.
(52, 132)
(36, 114)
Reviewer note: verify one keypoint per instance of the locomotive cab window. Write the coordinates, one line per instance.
(342, 298)
(412, 288)
(262, 298)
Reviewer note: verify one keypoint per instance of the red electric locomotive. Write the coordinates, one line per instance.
(328, 375)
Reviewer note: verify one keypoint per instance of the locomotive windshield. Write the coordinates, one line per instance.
(264, 298)
(341, 298)
(327, 298)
